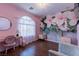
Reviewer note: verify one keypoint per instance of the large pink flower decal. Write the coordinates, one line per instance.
(60, 18)
(71, 15)
(63, 27)
(48, 21)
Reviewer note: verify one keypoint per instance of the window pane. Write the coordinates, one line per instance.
(26, 27)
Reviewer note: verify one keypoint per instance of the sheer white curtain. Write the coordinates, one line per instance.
(26, 27)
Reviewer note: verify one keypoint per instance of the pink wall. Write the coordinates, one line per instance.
(13, 13)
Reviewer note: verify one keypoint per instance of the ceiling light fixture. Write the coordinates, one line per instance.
(42, 5)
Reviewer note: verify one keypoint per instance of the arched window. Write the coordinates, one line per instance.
(26, 26)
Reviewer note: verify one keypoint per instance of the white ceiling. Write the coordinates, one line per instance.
(50, 9)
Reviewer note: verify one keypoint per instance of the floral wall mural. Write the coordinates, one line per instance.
(62, 21)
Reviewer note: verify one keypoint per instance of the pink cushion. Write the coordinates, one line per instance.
(9, 39)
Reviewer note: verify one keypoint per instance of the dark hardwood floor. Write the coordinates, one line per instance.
(37, 48)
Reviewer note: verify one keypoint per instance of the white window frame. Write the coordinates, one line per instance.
(28, 23)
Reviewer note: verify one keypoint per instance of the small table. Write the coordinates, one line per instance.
(20, 38)
(22, 41)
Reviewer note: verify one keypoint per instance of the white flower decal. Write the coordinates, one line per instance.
(72, 22)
